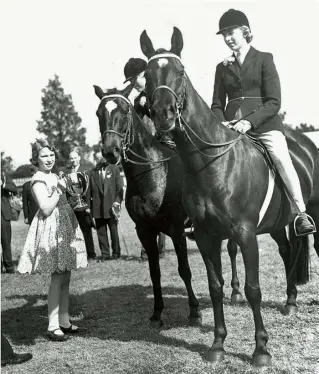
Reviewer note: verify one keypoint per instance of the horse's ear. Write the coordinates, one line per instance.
(177, 42)
(146, 45)
(98, 92)
(127, 90)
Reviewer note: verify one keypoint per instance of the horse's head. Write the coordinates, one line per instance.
(115, 121)
(165, 80)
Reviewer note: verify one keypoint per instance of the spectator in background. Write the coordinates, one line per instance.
(7, 188)
(83, 217)
(30, 206)
(105, 192)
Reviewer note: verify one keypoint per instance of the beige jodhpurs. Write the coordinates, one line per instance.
(276, 144)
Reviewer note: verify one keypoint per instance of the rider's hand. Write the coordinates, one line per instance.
(227, 124)
(142, 101)
(242, 126)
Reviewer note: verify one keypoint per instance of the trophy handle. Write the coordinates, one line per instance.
(68, 182)
(86, 177)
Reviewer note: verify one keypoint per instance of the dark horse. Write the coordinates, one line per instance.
(225, 184)
(154, 188)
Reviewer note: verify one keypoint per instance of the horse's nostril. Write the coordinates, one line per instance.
(171, 109)
(116, 149)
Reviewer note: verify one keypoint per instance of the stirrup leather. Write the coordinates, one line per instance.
(308, 233)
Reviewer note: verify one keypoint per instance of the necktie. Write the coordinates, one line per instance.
(239, 58)
(102, 176)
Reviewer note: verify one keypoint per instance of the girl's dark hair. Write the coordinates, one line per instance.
(36, 148)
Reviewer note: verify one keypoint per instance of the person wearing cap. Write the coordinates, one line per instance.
(248, 79)
(134, 73)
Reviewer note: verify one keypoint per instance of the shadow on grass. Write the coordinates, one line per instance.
(119, 313)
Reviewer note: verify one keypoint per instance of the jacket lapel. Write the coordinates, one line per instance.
(96, 176)
(234, 68)
(249, 59)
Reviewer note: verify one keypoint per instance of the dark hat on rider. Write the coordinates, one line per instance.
(133, 68)
(232, 18)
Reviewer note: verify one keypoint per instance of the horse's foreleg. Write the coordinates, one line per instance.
(184, 271)
(249, 249)
(210, 248)
(148, 238)
(236, 296)
(281, 239)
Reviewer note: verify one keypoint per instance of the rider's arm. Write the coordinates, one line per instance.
(219, 96)
(270, 89)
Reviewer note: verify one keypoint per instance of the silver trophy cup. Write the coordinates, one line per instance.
(77, 186)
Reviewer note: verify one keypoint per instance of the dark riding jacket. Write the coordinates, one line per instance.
(255, 83)
(142, 110)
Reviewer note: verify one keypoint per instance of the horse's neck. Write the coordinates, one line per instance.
(203, 121)
(142, 137)
(143, 145)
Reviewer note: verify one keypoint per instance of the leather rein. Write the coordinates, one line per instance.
(183, 125)
(128, 137)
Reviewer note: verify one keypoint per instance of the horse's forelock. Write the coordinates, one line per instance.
(112, 91)
(161, 50)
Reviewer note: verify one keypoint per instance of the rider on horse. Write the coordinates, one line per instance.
(249, 80)
(134, 73)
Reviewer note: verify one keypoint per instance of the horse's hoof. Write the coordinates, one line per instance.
(237, 298)
(194, 321)
(155, 323)
(262, 359)
(290, 309)
(214, 355)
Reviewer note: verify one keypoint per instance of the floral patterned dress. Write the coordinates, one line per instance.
(54, 243)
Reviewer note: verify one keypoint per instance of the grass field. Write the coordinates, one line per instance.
(114, 300)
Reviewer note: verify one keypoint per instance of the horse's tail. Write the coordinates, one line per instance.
(299, 258)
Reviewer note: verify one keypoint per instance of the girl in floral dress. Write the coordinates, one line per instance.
(55, 242)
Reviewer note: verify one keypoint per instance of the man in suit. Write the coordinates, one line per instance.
(7, 187)
(30, 206)
(83, 217)
(106, 192)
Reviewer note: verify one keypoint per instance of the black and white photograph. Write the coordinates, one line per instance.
(159, 187)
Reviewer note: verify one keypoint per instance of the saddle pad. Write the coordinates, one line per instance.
(270, 190)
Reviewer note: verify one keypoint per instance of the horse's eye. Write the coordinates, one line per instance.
(181, 73)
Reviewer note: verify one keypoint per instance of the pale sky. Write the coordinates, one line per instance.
(88, 42)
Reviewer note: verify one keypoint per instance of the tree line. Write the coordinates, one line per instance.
(62, 124)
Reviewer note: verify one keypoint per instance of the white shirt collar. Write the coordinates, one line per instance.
(75, 169)
(133, 95)
(243, 53)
